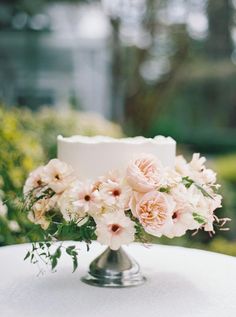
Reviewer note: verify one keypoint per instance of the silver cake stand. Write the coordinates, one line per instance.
(114, 269)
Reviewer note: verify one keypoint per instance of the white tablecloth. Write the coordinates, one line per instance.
(180, 282)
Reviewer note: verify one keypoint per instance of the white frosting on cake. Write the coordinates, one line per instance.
(95, 156)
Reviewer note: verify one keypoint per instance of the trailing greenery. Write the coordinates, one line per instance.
(49, 250)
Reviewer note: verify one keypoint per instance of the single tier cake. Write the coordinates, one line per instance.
(92, 157)
(95, 156)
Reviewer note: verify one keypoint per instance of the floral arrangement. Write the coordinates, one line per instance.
(122, 206)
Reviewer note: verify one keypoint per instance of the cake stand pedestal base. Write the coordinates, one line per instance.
(114, 269)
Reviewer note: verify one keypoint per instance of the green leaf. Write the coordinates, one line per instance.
(57, 254)
(164, 189)
(187, 181)
(70, 249)
(204, 192)
(199, 218)
(27, 255)
(75, 263)
(53, 262)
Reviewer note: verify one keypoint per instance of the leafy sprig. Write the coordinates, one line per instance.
(188, 182)
(36, 194)
(61, 230)
(45, 252)
(199, 218)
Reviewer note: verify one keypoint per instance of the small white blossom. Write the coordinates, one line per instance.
(57, 175)
(115, 229)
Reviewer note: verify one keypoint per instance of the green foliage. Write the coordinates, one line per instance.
(223, 245)
(71, 231)
(226, 167)
(28, 139)
(199, 218)
(20, 152)
(50, 254)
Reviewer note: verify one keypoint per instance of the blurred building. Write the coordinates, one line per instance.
(56, 57)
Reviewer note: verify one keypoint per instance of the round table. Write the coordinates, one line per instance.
(180, 282)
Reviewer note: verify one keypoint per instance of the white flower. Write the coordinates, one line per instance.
(3, 209)
(208, 176)
(57, 175)
(197, 162)
(69, 211)
(204, 206)
(196, 170)
(170, 178)
(193, 210)
(34, 180)
(85, 197)
(114, 192)
(182, 215)
(115, 229)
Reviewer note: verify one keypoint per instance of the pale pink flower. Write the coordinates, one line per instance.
(86, 197)
(182, 220)
(170, 178)
(197, 162)
(154, 211)
(40, 209)
(34, 180)
(144, 173)
(69, 211)
(135, 197)
(204, 206)
(182, 216)
(196, 170)
(115, 229)
(57, 175)
(208, 176)
(114, 192)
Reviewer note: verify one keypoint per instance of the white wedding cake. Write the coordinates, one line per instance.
(92, 157)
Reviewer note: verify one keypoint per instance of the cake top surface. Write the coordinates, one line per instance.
(159, 139)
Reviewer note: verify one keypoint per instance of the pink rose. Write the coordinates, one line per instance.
(154, 211)
(144, 173)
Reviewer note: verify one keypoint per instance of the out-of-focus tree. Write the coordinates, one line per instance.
(219, 42)
(144, 66)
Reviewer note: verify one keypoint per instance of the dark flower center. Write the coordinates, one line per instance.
(87, 197)
(57, 177)
(174, 216)
(116, 192)
(115, 228)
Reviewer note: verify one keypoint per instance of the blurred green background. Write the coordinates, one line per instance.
(151, 66)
